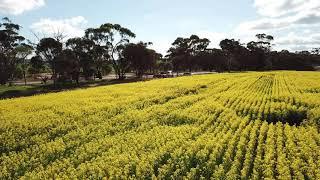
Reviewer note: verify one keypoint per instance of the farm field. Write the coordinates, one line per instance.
(257, 125)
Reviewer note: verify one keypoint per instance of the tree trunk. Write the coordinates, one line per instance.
(229, 64)
(54, 80)
(24, 77)
(117, 70)
(54, 75)
(119, 74)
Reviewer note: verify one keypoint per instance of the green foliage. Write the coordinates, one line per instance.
(110, 40)
(184, 52)
(10, 42)
(140, 57)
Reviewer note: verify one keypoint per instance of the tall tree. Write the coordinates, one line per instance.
(23, 51)
(264, 42)
(100, 59)
(184, 50)
(36, 64)
(212, 59)
(261, 49)
(177, 53)
(140, 57)
(163, 64)
(231, 49)
(316, 51)
(9, 41)
(84, 50)
(112, 39)
(49, 49)
(67, 65)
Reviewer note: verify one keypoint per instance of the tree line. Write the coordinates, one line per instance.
(191, 54)
(107, 48)
(101, 50)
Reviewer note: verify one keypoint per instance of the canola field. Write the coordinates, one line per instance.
(258, 125)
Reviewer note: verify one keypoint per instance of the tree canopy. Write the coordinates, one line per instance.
(108, 48)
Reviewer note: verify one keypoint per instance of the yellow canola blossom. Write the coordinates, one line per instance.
(257, 125)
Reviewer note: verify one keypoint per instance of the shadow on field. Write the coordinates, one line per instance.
(22, 91)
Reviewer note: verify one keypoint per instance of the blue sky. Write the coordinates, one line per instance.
(294, 23)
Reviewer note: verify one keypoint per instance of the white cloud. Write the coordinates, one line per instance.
(303, 18)
(17, 7)
(298, 42)
(294, 23)
(293, 38)
(276, 8)
(70, 27)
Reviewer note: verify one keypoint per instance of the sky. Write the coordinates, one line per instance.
(295, 24)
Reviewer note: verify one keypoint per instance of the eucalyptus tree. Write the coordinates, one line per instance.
(184, 50)
(84, 50)
(111, 40)
(9, 41)
(68, 66)
(231, 49)
(23, 51)
(36, 65)
(140, 57)
(50, 49)
(261, 49)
